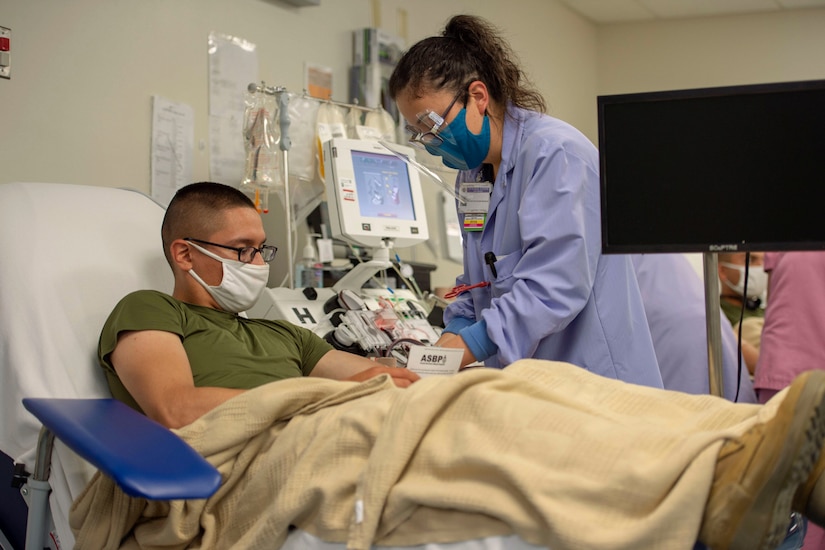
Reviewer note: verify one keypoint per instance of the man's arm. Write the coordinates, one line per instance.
(155, 370)
(340, 365)
(750, 354)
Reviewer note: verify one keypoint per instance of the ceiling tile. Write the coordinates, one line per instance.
(616, 11)
(669, 9)
(610, 11)
(801, 3)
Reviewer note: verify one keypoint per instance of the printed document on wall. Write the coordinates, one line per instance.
(233, 65)
(173, 136)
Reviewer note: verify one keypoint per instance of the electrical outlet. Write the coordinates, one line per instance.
(5, 52)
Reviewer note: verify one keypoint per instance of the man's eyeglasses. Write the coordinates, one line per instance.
(245, 254)
(434, 122)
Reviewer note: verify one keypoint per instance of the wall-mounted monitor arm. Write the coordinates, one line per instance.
(358, 276)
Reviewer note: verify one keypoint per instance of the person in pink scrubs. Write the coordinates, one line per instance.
(793, 337)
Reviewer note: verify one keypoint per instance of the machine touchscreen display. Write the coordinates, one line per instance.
(383, 186)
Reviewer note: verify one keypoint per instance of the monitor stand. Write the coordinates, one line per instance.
(713, 322)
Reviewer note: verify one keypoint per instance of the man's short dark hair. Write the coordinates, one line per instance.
(195, 211)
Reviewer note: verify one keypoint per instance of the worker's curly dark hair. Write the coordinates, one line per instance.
(468, 49)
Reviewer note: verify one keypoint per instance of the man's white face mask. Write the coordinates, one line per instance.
(241, 286)
(757, 280)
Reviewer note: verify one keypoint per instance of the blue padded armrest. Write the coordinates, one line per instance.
(144, 458)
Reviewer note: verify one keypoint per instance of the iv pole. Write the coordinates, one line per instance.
(283, 123)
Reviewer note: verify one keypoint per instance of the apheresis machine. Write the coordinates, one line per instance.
(375, 201)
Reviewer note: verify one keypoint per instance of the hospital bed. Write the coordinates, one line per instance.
(68, 253)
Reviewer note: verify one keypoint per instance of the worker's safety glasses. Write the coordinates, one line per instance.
(434, 122)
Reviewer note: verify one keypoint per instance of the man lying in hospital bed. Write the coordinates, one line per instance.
(546, 451)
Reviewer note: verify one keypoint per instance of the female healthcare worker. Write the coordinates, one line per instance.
(529, 185)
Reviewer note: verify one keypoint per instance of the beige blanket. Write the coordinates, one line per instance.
(562, 458)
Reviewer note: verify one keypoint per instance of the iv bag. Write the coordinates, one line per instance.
(261, 140)
(303, 115)
(353, 121)
(305, 190)
(331, 123)
(382, 122)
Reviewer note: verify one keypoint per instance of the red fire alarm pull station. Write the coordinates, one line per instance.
(5, 52)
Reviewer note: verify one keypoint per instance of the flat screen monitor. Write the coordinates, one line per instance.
(738, 168)
(373, 195)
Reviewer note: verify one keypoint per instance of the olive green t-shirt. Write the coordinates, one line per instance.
(733, 312)
(224, 350)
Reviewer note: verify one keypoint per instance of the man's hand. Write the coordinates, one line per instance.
(340, 365)
(401, 377)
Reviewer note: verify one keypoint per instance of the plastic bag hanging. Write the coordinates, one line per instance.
(330, 124)
(303, 114)
(353, 122)
(262, 172)
(382, 123)
(305, 190)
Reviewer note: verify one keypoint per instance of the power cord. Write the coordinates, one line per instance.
(741, 318)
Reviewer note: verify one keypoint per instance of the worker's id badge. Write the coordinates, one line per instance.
(474, 203)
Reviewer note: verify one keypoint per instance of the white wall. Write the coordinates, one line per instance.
(78, 106)
(722, 51)
(78, 109)
(708, 52)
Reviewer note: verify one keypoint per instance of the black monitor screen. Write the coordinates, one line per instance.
(715, 169)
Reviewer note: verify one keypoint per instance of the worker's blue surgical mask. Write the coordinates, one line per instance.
(461, 149)
(241, 286)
